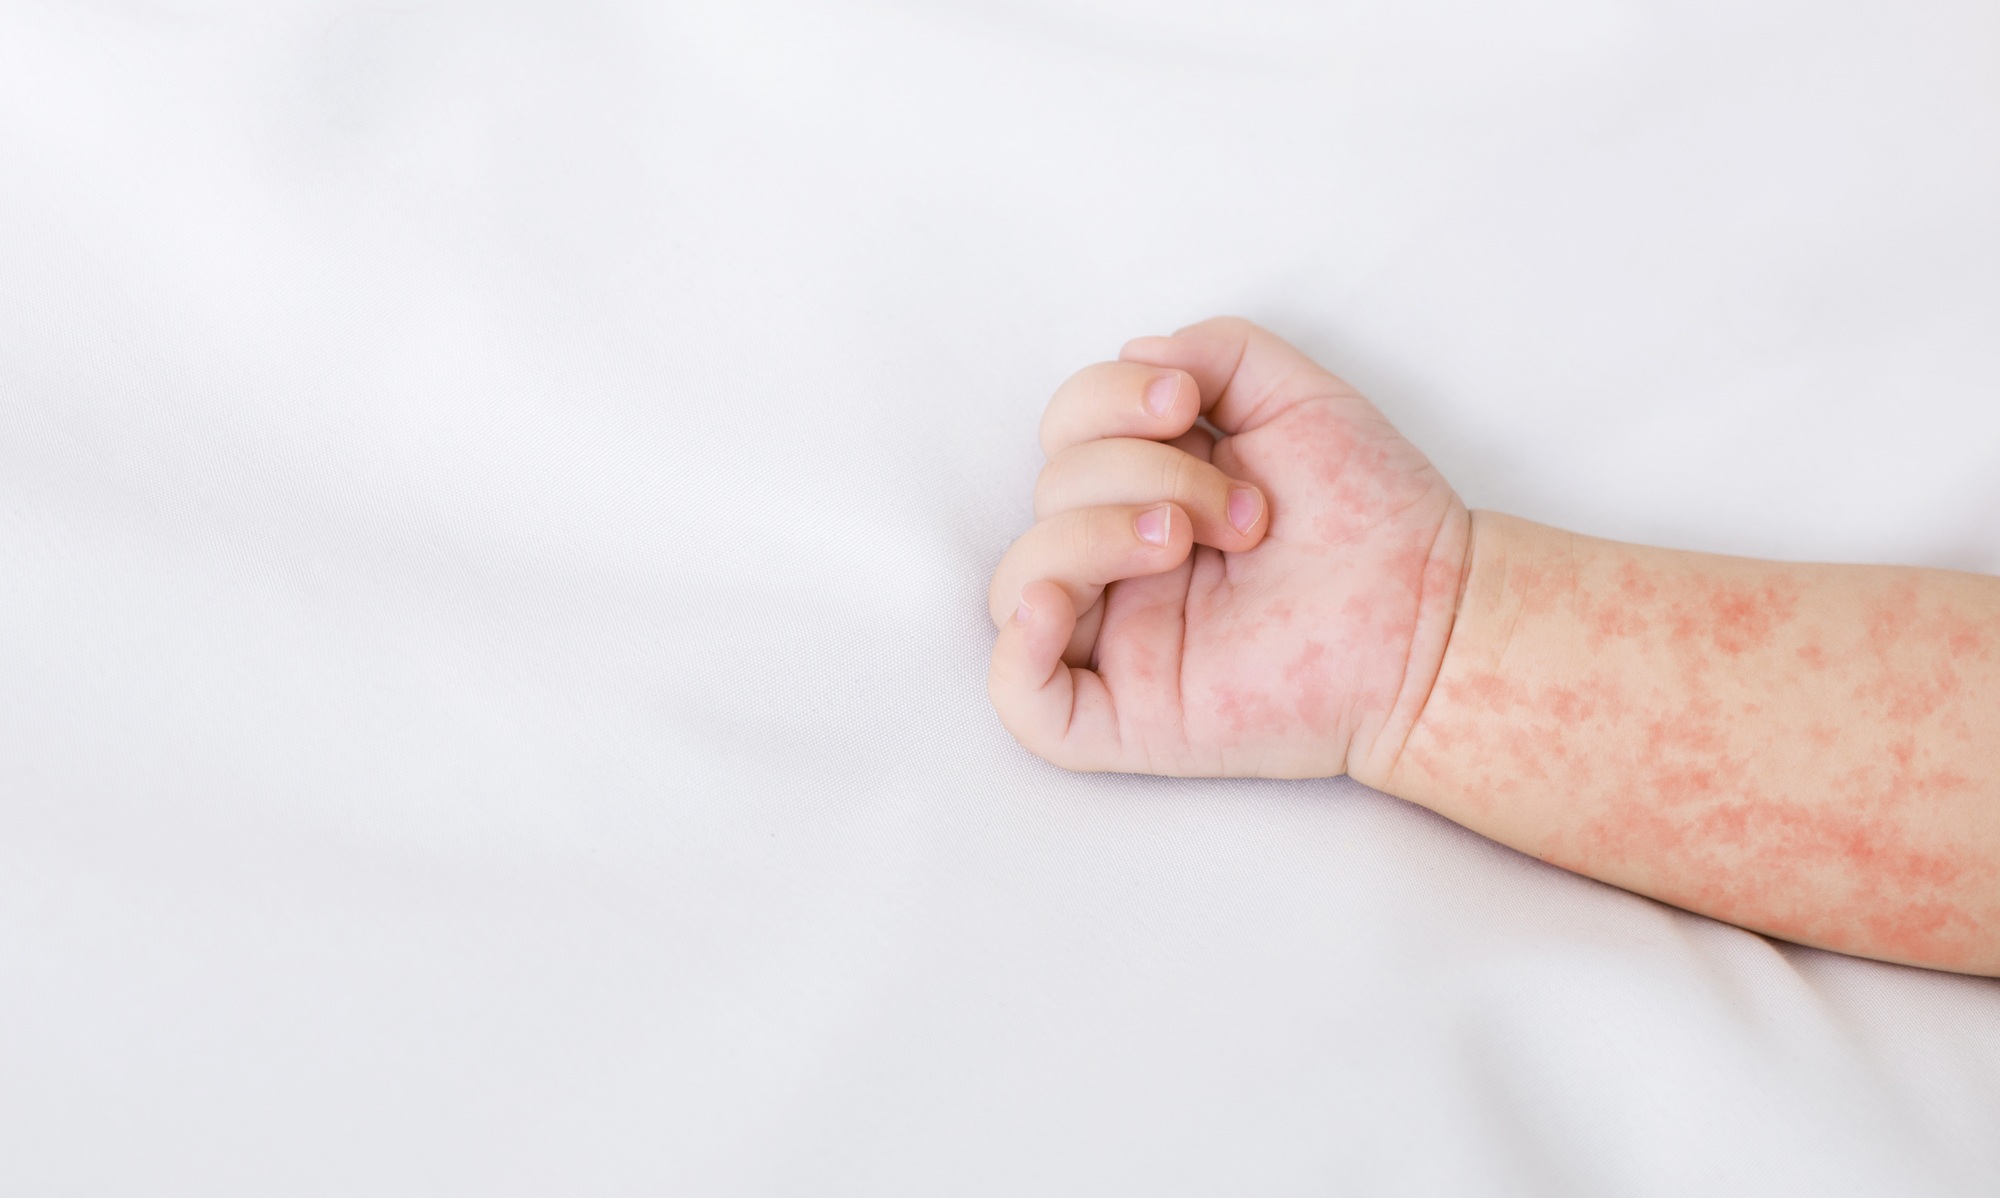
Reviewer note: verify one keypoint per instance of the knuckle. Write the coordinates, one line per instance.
(1068, 417)
(1051, 430)
(1048, 484)
(1227, 325)
(994, 592)
(1179, 477)
(1086, 539)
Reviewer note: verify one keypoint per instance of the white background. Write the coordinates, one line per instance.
(495, 506)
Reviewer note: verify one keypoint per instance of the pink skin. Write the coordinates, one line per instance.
(1287, 659)
(1294, 652)
(1810, 751)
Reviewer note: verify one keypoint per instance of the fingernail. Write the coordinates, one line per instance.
(1153, 524)
(1160, 394)
(1023, 613)
(1243, 508)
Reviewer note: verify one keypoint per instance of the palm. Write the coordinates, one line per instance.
(1297, 653)
(1289, 650)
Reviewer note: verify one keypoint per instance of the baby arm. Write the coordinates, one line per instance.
(1809, 751)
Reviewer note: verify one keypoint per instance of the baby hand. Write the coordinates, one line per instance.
(1272, 601)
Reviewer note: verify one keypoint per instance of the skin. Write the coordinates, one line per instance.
(1809, 751)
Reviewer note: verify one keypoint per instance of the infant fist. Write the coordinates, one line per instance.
(1271, 599)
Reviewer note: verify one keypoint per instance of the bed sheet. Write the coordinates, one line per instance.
(495, 505)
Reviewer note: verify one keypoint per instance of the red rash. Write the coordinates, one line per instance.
(1308, 675)
(1659, 741)
(1698, 613)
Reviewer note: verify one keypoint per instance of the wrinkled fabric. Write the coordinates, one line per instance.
(495, 509)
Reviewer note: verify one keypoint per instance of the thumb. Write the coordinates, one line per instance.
(1247, 375)
(1060, 713)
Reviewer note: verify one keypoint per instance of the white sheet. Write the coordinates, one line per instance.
(495, 502)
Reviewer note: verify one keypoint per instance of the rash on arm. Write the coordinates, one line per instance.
(1810, 751)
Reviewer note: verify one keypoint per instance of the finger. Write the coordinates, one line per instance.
(1119, 399)
(1197, 441)
(1083, 550)
(1082, 648)
(1225, 513)
(1247, 375)
(1061, 714)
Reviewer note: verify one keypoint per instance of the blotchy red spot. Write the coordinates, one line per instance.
(1732, 617)
(1922, 931)
(1533, 729)
(1963, 636)
(1912, 693)
(1308, 678)
(1636, 584)
(1744, 619)
(1698, 612)
(1542, 586)
(1613, 620)
(1695, 731)
(1243, 713)
(1487, 689)
(1891, 617)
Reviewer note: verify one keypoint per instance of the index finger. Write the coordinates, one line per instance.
(1120, 399)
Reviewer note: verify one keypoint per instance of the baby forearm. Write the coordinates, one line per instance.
(1807, 750)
